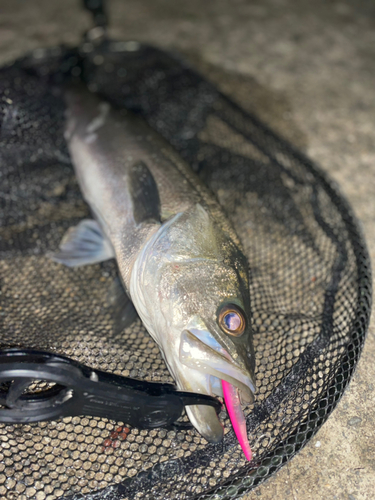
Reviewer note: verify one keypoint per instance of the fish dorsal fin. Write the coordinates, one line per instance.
(144, 193)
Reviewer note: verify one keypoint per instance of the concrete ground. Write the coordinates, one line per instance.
(311, 66)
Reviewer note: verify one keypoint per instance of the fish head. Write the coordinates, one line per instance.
(203, 297)
(208, 305)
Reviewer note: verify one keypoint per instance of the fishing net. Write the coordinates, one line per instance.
(310, 282)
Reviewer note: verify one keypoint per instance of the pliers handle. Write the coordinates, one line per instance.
(73, 389)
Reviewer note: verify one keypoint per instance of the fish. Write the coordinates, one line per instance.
(181, 264)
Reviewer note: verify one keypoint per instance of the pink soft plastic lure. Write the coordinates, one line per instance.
(237, 417)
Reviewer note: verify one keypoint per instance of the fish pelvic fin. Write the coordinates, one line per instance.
(123, 310)
(84, 244)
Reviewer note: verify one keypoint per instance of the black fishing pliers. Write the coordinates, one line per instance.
(70, 388)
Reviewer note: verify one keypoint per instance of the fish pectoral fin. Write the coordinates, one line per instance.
(84, 244)
(144, 193)
(124, 312)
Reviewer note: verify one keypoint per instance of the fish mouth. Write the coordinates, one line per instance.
(200, 351)
(219, 374)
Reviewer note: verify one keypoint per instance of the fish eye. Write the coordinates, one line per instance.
(231, 319)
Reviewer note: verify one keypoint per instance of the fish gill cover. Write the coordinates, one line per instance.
(310, 281)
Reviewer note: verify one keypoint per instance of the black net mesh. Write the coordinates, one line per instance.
(310, 282)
